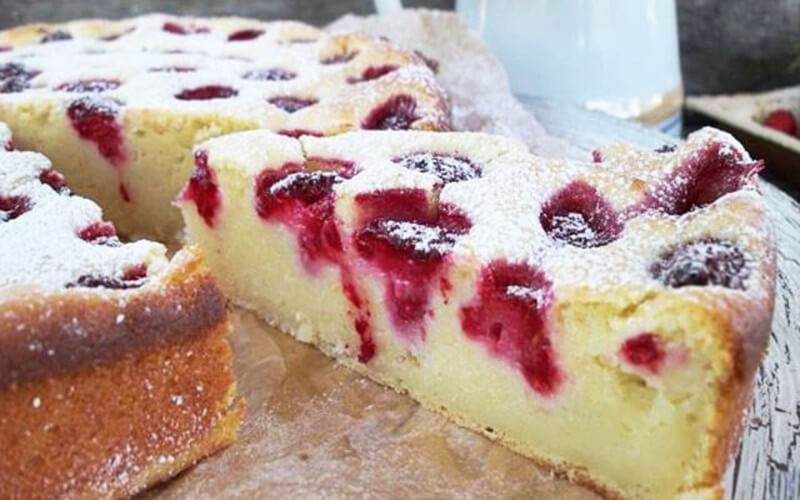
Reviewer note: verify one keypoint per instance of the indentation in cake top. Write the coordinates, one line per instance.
(579, 216)
(173, 63)
(50, 239)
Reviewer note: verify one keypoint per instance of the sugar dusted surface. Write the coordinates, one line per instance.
(41, 250)
(505, 202)
(153, 65)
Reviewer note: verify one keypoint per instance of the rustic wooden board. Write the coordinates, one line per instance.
(767, 465)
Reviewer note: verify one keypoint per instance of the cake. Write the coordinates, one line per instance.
(605, 319)
(115, 369)
(119, 105)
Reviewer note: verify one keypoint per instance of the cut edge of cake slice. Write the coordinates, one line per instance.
(115, 366)
(603, 319)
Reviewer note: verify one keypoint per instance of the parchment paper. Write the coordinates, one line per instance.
(315, 429)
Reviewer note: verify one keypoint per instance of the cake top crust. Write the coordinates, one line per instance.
(51, 240)
(283, 76)
(686, 221)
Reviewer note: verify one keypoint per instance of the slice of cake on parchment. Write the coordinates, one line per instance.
(115, 369)
(605, 319)
(118, 105)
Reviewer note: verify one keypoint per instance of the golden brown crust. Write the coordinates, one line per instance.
(117, 428)
(46, 335)
(140, 400)
(746, 342)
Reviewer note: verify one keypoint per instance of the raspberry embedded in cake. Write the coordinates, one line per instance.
(269, 75)
(445, 266)
(207, 92)
(408, 245)
(175, 78)
(577, 215)
(299, 132)
(55, 180)
(446, 167)
(179, 29)
(509, 317)
(307, 187)
(373, 73)
(702, 178)
(244, 35)
(56, 36)
(15, 77)
(12, 207)
(100, 233)
(644, 351)
(703, 262)
(291, 104)
(202, 189)
(93, 326)
(397, 113)
(134, 277)
(90, 85)
(95, 119)
(302, 201)
(339, 58)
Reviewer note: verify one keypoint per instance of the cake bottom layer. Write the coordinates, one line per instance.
(116, 428)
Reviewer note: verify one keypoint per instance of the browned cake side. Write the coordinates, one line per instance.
(102, 397)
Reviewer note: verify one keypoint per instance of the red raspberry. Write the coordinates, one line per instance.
(782, 120)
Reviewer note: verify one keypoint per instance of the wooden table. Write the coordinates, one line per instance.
(768, 463)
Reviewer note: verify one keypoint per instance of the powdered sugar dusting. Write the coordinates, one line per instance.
(424, 240)
(149, 65)
(506, 202)
(41, 248)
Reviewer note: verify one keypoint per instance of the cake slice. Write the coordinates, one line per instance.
(115, 369)
(604, 319)
(119, 105)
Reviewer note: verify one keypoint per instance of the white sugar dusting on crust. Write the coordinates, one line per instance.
(505, 203)
(153, 66)
(39, 244)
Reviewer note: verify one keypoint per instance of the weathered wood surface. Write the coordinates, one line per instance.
(768, 465)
